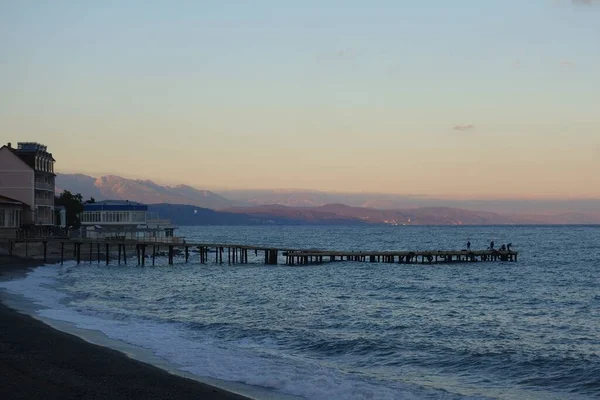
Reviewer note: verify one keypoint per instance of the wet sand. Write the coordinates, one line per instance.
(40, 362)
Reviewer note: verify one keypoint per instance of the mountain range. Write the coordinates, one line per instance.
(189, 206)
(144, 191)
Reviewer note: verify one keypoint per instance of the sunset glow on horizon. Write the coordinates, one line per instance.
(494, 99)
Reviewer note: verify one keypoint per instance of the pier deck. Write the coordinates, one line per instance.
(104, 250)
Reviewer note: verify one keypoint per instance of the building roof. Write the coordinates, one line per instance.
(8, 200)
(28, 151)
(118, 202)
(115, 205)
(12, 151)
(33, 148)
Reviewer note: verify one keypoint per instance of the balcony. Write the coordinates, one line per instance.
(44, 186)
(44, 221)
(40, 201)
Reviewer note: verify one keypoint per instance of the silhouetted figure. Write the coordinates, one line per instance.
(468, 246)
(492, 245)
(503, 248)
(508, 246)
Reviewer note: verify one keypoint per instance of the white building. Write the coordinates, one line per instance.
(124, 220)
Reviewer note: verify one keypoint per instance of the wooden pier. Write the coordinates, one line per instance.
(148, 252)
(401, 257)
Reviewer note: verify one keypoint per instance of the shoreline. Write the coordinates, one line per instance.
(39, 360)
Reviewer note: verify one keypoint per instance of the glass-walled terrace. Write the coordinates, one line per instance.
(113, 217)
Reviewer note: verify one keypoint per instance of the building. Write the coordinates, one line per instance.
(27, 175)
(124, 220)
(11, 216)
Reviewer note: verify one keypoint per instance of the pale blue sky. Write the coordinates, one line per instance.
(465, 98)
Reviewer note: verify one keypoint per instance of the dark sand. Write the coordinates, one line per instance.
(39, 362)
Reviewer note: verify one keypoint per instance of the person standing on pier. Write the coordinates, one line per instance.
(469, 246)
(492, 245)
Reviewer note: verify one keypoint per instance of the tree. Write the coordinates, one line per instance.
(73, 203)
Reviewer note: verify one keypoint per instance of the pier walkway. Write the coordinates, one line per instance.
(146, 252)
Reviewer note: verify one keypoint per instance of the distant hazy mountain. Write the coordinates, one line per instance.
(390, 201)
(338, 213)
(79, 183)
(314, 207)
(347, 214)
(181, 214)
(300, 215)
(144, 191)
(290, 198)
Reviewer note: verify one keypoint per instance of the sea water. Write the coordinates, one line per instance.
(347, 330)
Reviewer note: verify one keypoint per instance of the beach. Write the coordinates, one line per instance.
(38, 361)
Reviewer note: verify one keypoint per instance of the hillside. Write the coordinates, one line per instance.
(340, 213)
(182, 214)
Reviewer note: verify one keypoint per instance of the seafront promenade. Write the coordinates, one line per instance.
(147, 252)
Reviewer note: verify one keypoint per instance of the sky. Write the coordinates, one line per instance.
(465, 98)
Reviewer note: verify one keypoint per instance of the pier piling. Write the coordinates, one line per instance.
(238, 254)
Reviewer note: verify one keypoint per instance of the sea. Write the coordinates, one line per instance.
(350, 330)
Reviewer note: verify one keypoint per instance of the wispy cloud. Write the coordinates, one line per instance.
(345, 53)
(393, 70)
(464, 128)
(567, 63)
(585, 2)
(576, 2)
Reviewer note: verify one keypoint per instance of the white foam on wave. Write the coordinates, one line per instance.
(205, 356)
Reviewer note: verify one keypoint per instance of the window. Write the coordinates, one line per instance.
(139, 216)
(2, 218)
